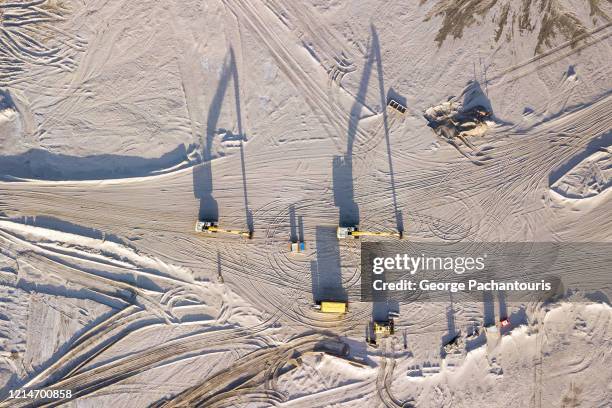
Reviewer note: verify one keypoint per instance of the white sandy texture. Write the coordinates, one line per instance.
(122, 122)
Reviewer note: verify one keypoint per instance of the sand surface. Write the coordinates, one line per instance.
(122, 122)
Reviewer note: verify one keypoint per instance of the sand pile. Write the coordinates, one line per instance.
(450, 120)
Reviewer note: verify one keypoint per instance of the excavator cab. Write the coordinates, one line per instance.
(346, 232)
(208, 227)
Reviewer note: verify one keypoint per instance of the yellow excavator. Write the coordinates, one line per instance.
(211, 227)
(380, 329)
(354, 232)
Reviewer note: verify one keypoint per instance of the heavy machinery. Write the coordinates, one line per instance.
(331, 306)
(211, 227)
(383, 328)
(380, 329)
(354, 232)
(397, 106)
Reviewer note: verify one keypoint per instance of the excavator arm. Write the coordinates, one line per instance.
(376, 234)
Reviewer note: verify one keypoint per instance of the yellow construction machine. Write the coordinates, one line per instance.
(211, 227)
(379, 329)
(354, 232)
(331, 306)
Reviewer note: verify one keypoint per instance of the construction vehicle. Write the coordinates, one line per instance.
(397, 106)
(297, 247)
(380, 329)
(331, 306)
(211, 227)
(354, 232)
(383, 328)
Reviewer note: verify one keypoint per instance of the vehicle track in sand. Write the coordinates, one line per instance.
(314, 92)
(384, 378)
(332, 54)
(260, 363)
(592, 37)
(161, 223)
(88, 381)
(32, 41)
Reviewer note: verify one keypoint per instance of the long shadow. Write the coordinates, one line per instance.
(451, 326)
(383, 302)
(300, 228)
(53, 223)
(44, 165)
(382, 307)
(296, 226)
(293, 228)
(344, 190)
(489, 308)
(383, 103)
(202, 174)
(604, 141)
(247, 210)
(344, 194)
(326, 269)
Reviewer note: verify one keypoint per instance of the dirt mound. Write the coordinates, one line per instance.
(460, 117)
(589, 178)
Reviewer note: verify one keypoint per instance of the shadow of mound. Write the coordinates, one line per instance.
(475, 103)
(52, 223)
(598, 297)
(44, 165)
(392, 94)
(602, 142)
(474, 97)
(6, 100)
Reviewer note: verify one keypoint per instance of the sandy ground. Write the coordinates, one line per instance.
(123, 122)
